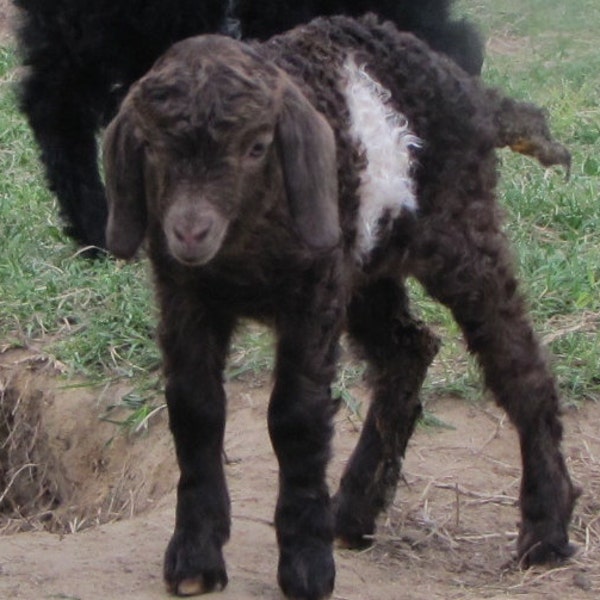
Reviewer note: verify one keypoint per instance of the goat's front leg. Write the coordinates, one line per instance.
(194, 353)
(300, 425)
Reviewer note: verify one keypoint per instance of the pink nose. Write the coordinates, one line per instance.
(192, 234)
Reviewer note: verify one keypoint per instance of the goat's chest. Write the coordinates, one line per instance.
(243, 288)
(383, 135)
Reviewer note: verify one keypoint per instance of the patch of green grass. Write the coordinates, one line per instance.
(98, 317)
(251, 353)
(134, 410)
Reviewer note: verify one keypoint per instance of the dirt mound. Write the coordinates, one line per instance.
(62, 468)
(32, 483)
(449, 535)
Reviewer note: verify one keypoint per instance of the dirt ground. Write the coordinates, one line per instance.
(104, 502)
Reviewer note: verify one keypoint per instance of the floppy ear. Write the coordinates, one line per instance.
(308, 156)
(125, 191)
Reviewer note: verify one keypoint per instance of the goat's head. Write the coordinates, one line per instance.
(202, 141)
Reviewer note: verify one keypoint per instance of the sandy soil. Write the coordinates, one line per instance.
(450, 533)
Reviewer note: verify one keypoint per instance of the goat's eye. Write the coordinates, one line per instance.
(258, 149)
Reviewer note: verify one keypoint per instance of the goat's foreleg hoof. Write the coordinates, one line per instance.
(307, 572)
(193, 567)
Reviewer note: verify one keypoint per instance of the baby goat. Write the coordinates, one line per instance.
(300, 182)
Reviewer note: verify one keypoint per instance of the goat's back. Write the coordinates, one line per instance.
(444, 110)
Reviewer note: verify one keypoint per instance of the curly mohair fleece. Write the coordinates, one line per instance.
(248, 169)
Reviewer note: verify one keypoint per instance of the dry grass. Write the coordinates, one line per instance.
(464, 536)
(28, 492)
(39, 488)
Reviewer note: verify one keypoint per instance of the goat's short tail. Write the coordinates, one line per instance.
(523, 127)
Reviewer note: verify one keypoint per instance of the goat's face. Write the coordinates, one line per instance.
(208, 179)
(215, 130)
(209, 129)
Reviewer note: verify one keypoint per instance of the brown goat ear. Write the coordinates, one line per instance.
(308, 156)
(125, 191)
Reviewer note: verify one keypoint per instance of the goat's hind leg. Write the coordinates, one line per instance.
(399, 350)
(64, 122)
(471, 272)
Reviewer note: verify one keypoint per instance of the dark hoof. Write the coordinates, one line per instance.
(193, 567)
(543, 544)
(353, 529)
(357, 542)
(546, 541)
(544, 552)
(307, 573)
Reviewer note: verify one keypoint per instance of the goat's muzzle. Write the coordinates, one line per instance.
(194, 237)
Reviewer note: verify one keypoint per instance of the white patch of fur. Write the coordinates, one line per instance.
(386, 186)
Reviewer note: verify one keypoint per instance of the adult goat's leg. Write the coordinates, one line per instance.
(194, 348)
(64, 121)
(300, 426)
(399, 350)
(471, 272)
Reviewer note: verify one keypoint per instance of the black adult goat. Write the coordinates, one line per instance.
(83, 56)
(300, 182)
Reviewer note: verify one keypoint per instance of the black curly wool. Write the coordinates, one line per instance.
(245, 167)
